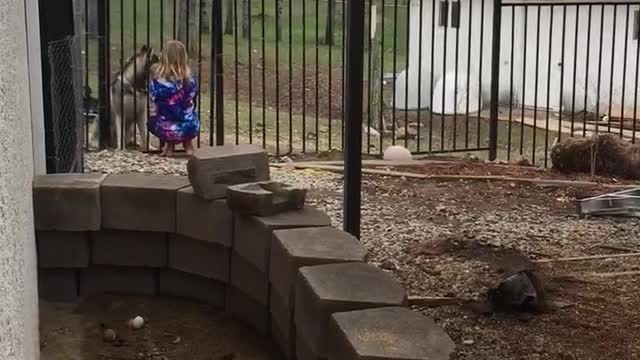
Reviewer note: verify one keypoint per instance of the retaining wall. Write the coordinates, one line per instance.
(289, 276)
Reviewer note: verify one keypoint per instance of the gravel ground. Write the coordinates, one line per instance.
(477, 223)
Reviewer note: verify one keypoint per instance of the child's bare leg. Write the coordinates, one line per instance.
(188, 147)
(168, 148)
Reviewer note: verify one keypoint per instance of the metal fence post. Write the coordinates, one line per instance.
(495, 79)
(104, 60)
(219, 76)
(353, 110)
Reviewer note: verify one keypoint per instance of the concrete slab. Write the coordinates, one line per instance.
(198, 288)
(199, 257)
(208, 220)
(326, 289)
(265, 198)
(249, 279)
(129, 248)
(212, 169)
(96, 280)
(245, 309)
(141, 202)
(63, 249)
(292, 249)
(58, 285)
(391, 333)
(253, 234)
(67, 202)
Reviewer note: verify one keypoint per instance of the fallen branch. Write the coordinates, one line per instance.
(542, 182)
(431, 302)
(584, 258)
(615, 274)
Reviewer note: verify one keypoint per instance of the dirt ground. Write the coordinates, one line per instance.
(174, 330)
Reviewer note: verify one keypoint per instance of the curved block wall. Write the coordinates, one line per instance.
(289, 276)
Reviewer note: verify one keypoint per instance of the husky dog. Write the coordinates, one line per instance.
(129, 98)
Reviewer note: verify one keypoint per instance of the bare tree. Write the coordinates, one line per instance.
(278, 20)
(187, 24)
(229, 25)
(329, 34)
(246, 18)
(204, 13)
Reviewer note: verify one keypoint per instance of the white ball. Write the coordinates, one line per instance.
(137, 322)
(397, 153)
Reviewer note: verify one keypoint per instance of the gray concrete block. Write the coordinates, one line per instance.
(199, 257)
(294, 248)
(249, 279)
(252, 239)
(194, 287)
(212, 169)
(281, 314)
(96, 280)
(208, 220)
(129, 248)
(265, 198)
(242, 307)
(391, 333)
(141, 202)
(63, 249)
(304, 351)
(285, 344)
(326, 289)
(67, 202)
(58, 285)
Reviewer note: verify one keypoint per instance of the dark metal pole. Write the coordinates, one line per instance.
(495, 81)
(104, 56)
(353, 111)
(218, 71)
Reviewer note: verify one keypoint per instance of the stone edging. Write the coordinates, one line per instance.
(289, 276)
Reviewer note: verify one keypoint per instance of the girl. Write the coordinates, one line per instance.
(172, 91)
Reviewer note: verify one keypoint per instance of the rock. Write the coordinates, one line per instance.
(407, 133)
(522, 161)
(109, 335)
(397, 153)
(468, 342)
(517, 291)
(265, 198)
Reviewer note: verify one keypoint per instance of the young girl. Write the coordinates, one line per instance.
(172, 93)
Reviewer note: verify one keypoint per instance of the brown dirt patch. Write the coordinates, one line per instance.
(174, 330)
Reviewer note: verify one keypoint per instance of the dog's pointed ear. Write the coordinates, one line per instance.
(144, 49)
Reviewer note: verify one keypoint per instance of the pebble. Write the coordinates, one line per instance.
(467, 342)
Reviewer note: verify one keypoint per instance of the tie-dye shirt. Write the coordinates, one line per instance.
(175, 119)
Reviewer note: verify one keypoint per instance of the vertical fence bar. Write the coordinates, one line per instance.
(343, 72)
(433, 42)
(200, 25)
(353, 138)
(624, 71)
(146, 131)
(236, 71)
(104, 71)
(469, 39)
(562, 62)
(586, 72)
(546, 126)
(535, 88)
(277, 60)
(395, 71)
(122, 123)
(406, 78)
(575, 71)
(317, 125)
(524, 77)
(250, 69)
(86, 76)
(635, 95)
(599, 81)
(175, 19)
(480, 72)
(369, 95)
(511, 67)
(383, 129)
(161, 24)
(495, 84)
(291, 76)
(330, 44)
(212, 73)
(419, 117)
(444, 78)
(455, 80)
(612, 69)
(304, 75)
(264, 80)
(135, 71)
(217, 25)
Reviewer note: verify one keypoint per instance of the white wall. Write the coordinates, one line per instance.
(534, 45)
(18, 282)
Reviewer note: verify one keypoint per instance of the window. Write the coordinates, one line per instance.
(455, 14)
(444, 13)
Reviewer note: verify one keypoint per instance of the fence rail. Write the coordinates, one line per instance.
(494, 78)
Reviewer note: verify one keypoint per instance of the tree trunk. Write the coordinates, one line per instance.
(376, 62)
(329, 34)
(204, 12)
(188, 26)
(278, 20)
(229, 24)
(246, 18)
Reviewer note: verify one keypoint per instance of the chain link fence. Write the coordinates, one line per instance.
(67, 103)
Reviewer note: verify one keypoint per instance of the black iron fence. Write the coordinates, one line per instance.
(503, 78)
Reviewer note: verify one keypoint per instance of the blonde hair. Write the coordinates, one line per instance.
(174, 62)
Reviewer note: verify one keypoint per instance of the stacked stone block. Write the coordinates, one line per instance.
(228, 237)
